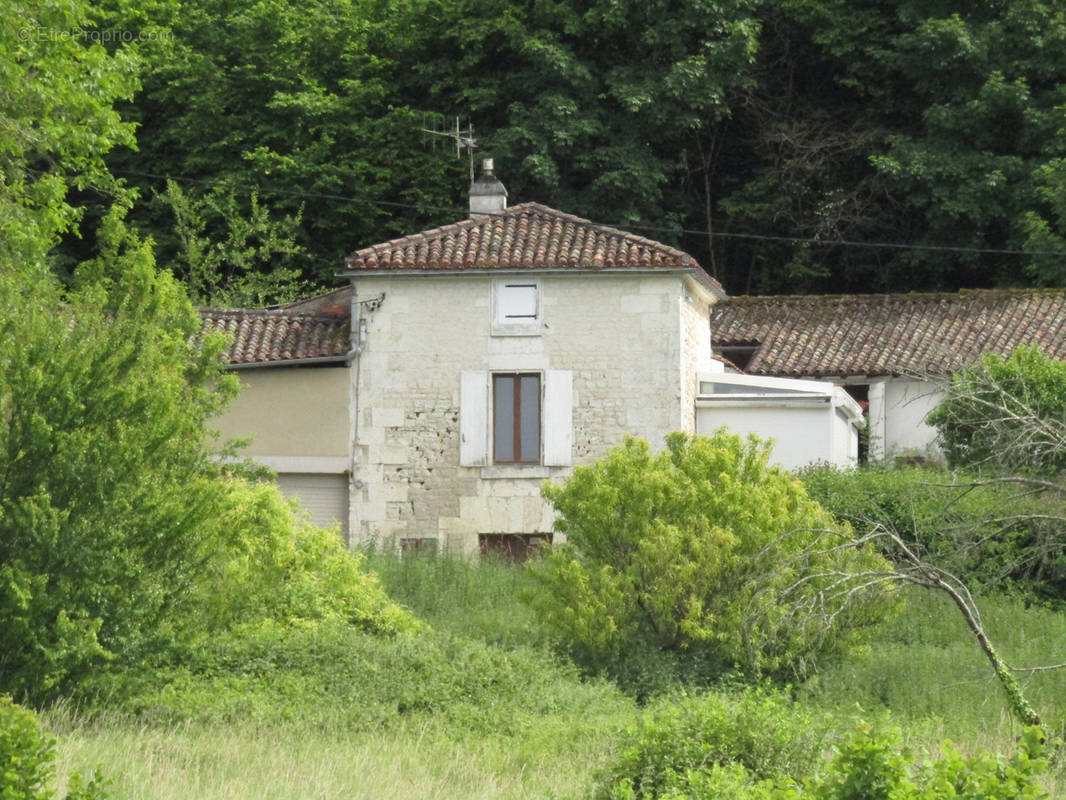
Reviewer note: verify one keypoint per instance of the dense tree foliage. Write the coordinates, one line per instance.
(117, 519)
(911, 123)
(702, 550)
(1006, 415)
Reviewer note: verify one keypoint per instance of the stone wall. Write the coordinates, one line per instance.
(627, 340)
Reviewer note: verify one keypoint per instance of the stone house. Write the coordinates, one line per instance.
(498, 351)
(890, 351)
(425, 403)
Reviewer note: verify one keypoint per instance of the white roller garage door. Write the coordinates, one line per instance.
(324, 496)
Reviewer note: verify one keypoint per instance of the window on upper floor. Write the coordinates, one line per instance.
(516, 307)
(516, 418)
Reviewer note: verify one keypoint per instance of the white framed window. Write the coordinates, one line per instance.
(516, 307)
(516, 418)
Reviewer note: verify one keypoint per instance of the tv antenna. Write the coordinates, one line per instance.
(464, 140)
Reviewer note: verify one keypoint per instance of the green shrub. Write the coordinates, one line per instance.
(671, 761)
(705, 552)
(108, 485)
(998, 535)
(870, 766)
(27, 760)
(266, 561)
(335, 676)
(1006, 414)
(687, 746)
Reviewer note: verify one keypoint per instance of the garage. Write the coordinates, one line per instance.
(324, 496)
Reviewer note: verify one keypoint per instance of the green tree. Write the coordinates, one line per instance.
(116, 516)
(234, 255)
(703, 548)
(296, 100)
(1007, 415)
(57, 91)
(106, 486)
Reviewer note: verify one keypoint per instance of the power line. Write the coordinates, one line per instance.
(627, 226)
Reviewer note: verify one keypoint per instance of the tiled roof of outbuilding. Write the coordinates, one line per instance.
(526, 236)
(260, 336)
(894, 334)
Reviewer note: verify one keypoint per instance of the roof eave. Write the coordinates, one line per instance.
(483, 271)
(290, 362)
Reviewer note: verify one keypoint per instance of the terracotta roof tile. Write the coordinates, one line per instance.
(265, 336)
(896, 334)
(525, 236)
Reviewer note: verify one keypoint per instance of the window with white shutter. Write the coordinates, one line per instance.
(516, 307)
(558, 418)
(516, 419)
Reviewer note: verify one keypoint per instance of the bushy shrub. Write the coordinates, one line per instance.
(867, 765)
(687, 746)
(27, 760)
(1006, 414)
(108, 482)
(266, 561)
(706, 551)
(871, 766)
(997, 535)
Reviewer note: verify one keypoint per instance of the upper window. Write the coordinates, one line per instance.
(516, 307)
(516, 418)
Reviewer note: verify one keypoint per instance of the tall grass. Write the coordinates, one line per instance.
(479, 708)
(926, 668)
(412, 759)
(478, 597)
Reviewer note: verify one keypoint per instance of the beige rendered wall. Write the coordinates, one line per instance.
(291, 413)
(619, 336)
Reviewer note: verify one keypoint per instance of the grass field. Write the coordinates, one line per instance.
(924, 671)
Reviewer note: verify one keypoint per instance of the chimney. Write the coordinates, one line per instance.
(487, 194)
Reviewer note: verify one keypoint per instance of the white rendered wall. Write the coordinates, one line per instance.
(621, 337)
(845, 441)
(898, 408)
(802, 435)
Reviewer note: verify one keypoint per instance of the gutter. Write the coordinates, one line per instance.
(288, 362)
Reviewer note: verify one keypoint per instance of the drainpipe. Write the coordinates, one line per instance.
(356, 342)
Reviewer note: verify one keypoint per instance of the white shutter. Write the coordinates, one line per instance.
(518, 301)
(473, 418)
(558, 417)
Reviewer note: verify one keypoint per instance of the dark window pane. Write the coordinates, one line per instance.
(503, 426)
(529, 415)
